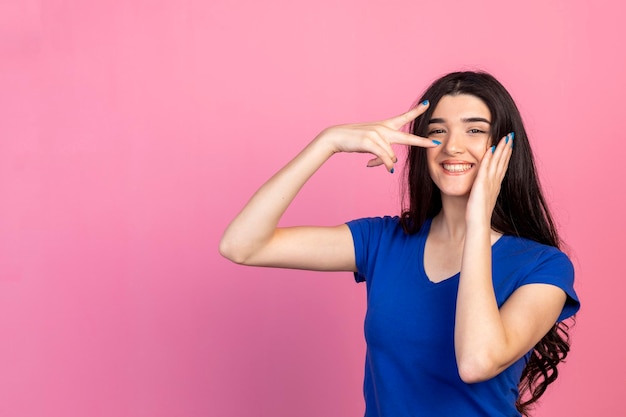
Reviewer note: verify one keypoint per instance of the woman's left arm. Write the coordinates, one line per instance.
(488, 339)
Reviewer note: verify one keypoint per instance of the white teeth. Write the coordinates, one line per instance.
(457, 167)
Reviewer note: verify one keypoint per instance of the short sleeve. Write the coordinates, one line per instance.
(554, 267)
(366, 233)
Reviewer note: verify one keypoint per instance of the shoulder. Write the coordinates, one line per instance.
(389, 224)
(380, 221)
(387, 229)
(379, 241)
(533, 254)
(369, 227)
(536, 263)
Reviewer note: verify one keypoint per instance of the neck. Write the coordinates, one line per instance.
(450, 222)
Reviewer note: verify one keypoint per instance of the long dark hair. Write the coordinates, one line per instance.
(520, 210)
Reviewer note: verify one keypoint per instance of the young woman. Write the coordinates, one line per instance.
(467, 288)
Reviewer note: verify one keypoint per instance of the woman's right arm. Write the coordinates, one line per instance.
(253, 237)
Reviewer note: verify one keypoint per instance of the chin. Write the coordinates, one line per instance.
(459, 194)
(455, 191)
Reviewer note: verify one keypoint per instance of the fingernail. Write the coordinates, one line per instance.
(493, 149)
(392, 170)
(512, 135)
(507, 139)
(436, 142)
(425, 103)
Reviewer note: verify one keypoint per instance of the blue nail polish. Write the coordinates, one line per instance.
(425, 103)
(436, 142)
(507, 139)
(493, 149)
(512, 135)
(392, 170)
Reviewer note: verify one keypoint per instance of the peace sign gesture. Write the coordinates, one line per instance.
(376, 138)
(254, 238)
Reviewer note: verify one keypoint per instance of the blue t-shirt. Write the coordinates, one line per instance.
(410, 368)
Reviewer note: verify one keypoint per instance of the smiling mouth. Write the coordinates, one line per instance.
(457, 167)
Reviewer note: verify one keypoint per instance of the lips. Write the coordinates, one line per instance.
(457, 167)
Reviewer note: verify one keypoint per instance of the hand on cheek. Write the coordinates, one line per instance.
(486, 187)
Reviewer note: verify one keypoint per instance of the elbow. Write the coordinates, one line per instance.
(476, 368)
(232, 252)
(243, 250)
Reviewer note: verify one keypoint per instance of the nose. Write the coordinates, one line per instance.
(453, 144)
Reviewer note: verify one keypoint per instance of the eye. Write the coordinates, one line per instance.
(476, 131)
(436, 132)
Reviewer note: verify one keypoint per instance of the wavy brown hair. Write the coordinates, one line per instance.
(521, 210)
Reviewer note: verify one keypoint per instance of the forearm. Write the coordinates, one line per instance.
(255, 225)
(479, 331)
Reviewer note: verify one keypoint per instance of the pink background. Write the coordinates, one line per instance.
(132, 131)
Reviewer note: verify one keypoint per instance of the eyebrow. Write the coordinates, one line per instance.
(466, 120)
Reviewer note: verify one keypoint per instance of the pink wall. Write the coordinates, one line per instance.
(132, 131)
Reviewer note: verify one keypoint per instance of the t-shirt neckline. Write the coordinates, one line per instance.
(422, 245)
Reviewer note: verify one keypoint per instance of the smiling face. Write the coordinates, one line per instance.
(462, 123)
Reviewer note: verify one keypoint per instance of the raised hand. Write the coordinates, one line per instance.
(376, 138)
(254, 238)
(487, 184)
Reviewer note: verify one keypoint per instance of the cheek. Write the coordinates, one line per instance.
(479, 149)
(431, 154)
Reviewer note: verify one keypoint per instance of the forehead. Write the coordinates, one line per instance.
(461, 106)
